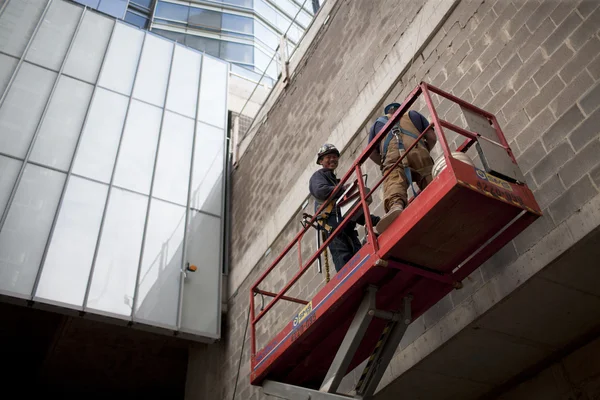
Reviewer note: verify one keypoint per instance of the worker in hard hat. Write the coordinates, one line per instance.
(414, 168)
(322, 184)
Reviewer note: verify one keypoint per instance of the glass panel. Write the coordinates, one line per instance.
(52, 41)
(22, 108)
(174, 157)
(266, 35)
(62, 124)
(136, 20)
(26, 229)
(17, 24)
(172, 11)
(238, 23)
(138, 147)
(238, 52)
(10, 169)
(263, 60)
(213, 92)
(115, 271)
(100, 140)
(174, 36)
(7, 67)
(205, 18)
(208, 169)
(143, 3)
(210, 46)
(241, 3)
(158, 289)
(89, 47)
(153, 73)
(121, 60)
(67, 267)
(287, 7)
(183, 86)
(116, 8)
(200, 303)
(90, 3)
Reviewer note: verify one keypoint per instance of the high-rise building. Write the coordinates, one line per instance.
(243, 32)
(112, 157)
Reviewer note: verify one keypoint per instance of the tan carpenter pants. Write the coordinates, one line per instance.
(396, 185)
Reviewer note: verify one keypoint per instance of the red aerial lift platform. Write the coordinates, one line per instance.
(461, 219)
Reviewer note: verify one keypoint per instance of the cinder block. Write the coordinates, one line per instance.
(536, 39)
(563, 30)
(563, 9)
(499, 100)
(572, 199)
(540, 15)
(586, 7)
(595, 175)
(582, 58)
(530, 157)
(558, 59)
(550, 164)
(515, 127)
(587, 131)
(588, 29)
(563, 127)
(536, 128)
(591, 100)
(507, 72)
(545, 95)
(583, 162)
(572, 92)
(533, 233)
(515, 24)
(549, 191)
(529, 68)
(520, 99)
(483, 97)
(515, 43)
(502, 259)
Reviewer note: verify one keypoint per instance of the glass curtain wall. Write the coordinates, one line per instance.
(112, 158)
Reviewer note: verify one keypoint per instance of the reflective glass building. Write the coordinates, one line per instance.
(112, 152)
(243, 32)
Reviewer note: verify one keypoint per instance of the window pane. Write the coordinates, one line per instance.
(158, 289)
(138, 147)
(21, 111)
(50, 44)
(266, 35)
(89, 47)
(208, 169)
(183, 86)
(238, 52)
(62, 124)
(262, 61)
(200, 303)
(205, 18)
(136, 20)
(174, 157)
(90, 3)
(241, 3)
(26, 229)
(67, 267)
(143, 3)
(116, 8)
(122, 58)
(100, 140)
(17, 24)
(238, 23)
(213, 92)
(153, 73)
(210, 46)
(174, 36)
(10, 169)
(7, 67)
(115, 271)
(172, 11)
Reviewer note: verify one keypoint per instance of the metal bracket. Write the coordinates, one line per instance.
(291, 392)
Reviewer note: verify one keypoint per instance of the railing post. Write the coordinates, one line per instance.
(367, 213)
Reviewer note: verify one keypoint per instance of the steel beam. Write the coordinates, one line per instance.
(291, 392)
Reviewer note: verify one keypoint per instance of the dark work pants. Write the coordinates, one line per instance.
(346, 244)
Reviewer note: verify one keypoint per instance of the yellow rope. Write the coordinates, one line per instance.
(327, 277)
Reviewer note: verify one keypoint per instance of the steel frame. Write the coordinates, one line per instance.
(478, 253)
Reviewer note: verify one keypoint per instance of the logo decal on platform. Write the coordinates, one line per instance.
(493, 180)
(301, 316)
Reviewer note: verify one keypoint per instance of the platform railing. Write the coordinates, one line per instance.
(437, 124)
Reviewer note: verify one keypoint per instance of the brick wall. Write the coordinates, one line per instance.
(534, 64)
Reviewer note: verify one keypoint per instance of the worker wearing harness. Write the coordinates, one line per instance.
(415, 167)
(321, 185)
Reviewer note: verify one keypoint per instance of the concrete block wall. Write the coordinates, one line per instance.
(535, 64)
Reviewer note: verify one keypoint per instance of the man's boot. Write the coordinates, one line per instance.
(389, 217)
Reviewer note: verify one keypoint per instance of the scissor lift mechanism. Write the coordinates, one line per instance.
(460, 220)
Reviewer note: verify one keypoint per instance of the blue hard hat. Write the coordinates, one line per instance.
(394, 105)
